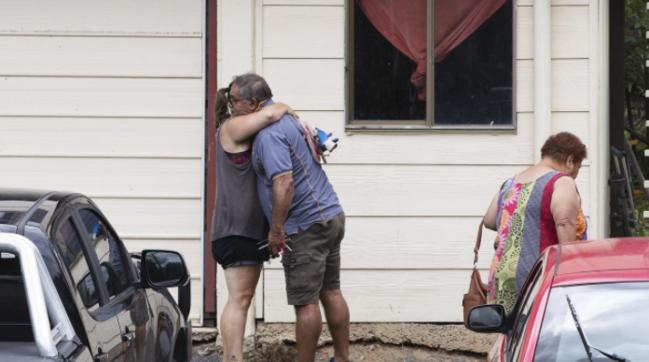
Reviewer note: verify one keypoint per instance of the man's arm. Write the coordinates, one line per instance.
(283, 192)
(276, 160)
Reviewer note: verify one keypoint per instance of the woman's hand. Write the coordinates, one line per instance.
(292, 112)
(310, 133)
(308, 127)
(277, 110)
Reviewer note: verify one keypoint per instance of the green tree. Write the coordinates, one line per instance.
(636, 74)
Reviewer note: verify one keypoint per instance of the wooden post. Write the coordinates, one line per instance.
(616, 89)
(209, 265)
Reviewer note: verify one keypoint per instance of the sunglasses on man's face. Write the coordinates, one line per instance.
(233, 99)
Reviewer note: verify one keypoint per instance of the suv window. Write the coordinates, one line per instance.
(109, 252)
(68, 242)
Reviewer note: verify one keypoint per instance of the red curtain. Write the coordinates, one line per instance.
(403, 24)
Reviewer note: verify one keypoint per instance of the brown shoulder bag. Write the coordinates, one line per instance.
(477, 294)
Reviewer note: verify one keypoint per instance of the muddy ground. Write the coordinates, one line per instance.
(391, 342)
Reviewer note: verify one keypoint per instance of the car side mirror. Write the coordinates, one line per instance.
(163, 269)
(487, 318)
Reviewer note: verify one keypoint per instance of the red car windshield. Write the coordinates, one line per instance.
(614, 318)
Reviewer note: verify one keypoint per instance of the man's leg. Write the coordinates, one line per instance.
(307, 331)
(337, 314)
(307, 272)
(335, 306)
(241, 282)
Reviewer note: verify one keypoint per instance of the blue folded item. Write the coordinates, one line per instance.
(326, 141)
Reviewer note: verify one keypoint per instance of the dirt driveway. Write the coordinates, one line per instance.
(407, 342)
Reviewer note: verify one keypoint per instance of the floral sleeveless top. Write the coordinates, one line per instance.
(525, 228)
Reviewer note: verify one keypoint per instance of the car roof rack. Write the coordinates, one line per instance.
(20, 226)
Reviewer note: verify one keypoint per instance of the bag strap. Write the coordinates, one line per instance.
(478, 240)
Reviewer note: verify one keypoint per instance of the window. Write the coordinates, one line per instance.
(109, 252)
(68, 243)
(395, 80)
(612, 316)
(15, 322)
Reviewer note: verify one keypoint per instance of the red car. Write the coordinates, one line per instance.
(583, 301)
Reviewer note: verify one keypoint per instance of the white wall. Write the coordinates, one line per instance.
(413, 200)
(107, 98)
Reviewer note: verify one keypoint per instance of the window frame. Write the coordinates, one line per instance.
(103, 315)
(94, 258)
(428, 124)
(69, 216)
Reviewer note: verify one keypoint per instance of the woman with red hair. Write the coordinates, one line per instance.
(534, 209)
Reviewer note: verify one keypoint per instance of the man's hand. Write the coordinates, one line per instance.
(276, 241)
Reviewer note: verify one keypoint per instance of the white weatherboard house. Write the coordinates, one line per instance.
(109, 99)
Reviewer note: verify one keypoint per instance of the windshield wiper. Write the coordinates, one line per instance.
(587, 346)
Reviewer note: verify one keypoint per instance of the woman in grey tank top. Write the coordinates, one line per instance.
(238, 223)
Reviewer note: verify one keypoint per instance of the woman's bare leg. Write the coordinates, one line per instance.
(241, 282)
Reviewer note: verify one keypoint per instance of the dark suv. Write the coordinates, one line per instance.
(116, 305)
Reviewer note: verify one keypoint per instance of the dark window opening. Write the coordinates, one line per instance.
(15, 322)
(68, 242)
(381, 72)
(108, 250)
(473, 85)
(472, 77)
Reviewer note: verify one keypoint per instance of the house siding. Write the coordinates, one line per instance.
(413, 200)
(107, 98)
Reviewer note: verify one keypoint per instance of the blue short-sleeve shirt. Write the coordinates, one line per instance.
(281, 148)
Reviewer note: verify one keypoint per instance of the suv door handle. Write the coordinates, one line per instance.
(128, 335)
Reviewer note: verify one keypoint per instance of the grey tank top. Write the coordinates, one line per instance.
(237, 211)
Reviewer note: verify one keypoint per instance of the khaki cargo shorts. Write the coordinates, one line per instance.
(314, 263)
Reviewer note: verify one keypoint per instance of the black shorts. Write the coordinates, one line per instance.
(233, 251)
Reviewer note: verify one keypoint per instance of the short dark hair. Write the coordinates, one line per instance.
(251, 86)
(563, 145)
